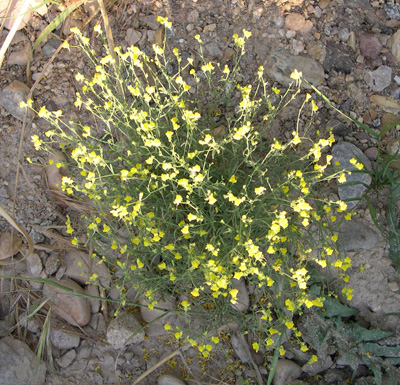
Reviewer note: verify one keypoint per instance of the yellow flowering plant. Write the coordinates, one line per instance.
(187, 198)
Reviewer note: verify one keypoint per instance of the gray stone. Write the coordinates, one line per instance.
(338, 58)
(74, 259)
(124, 330)
(343, 152)
(10, 98)
(213, 50)
(20, 57)
(392, 10)
(371, 153)
(63, 339)
(210, 28)
(168, 379)
(52, 263)
(30, 322)
(150, 21)
(73, 308)
(344, 35)
(18, 364)
(51, 47)
(35, 266)
(94, 292)
(66, 359)
(241, 348)
(280, 64)
(379, 79)
(193, 16)
(286, 371)
(132, 36)
(338, 127)
(163, 307)
(355, 235)
(370, 46)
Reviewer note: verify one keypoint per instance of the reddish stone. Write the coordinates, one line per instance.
(370, 46)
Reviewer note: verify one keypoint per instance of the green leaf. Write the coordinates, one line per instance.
(375, 369)
(358, 333)
(333, 308)
(350, 358)
(382, 351)
(56, 22)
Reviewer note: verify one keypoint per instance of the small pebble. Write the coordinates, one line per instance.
(295, 21)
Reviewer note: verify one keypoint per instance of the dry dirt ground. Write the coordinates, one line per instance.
(349, 39)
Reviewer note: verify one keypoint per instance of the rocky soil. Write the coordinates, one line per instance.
(349, 49)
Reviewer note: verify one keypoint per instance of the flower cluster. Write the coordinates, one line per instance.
(187, 204)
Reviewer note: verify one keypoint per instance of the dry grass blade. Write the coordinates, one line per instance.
(12, 32)
(18, 227)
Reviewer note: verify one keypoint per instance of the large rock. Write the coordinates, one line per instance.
(80, 266)
(10, 98)
(280, 64)
(343, 152)
(355, 235)
(156, 325)
(286, 371)
(124, 330)
(18, 364)
(69, 306)
(62, 338)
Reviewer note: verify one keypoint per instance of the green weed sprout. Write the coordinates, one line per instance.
(187, 198)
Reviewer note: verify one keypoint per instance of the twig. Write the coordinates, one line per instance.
(158, 364)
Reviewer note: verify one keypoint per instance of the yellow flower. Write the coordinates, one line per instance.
(246, 34)
(259, 190)
(290, 305)
(162, 266)
(233, 179)
(296, 75)
(233, 293)
(97, 28)
(178, 335)
(65, 45)
(215, 340)
(139, 263)
(195, 292)
(256, 346)
(296, 139)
